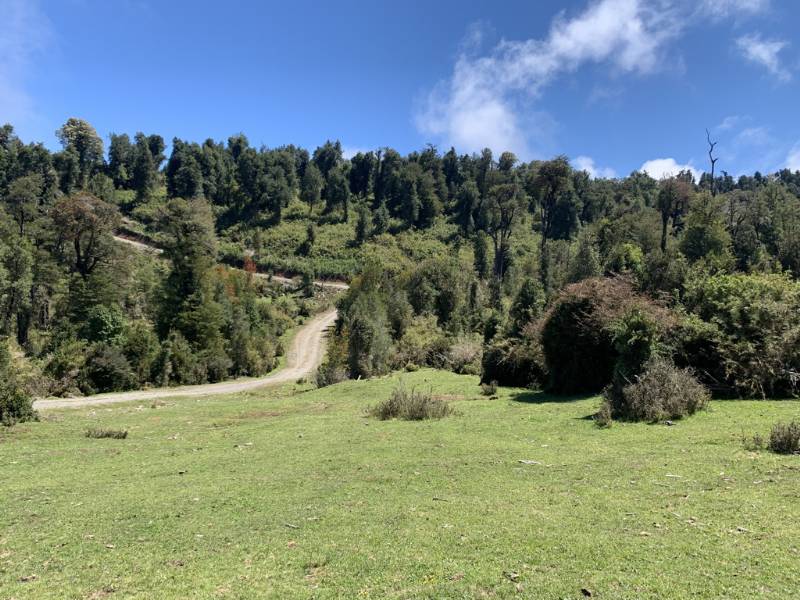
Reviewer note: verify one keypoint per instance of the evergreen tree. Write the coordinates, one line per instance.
(480, 247)
(311, 187)
(80, 137)
(363, 224)
(586, 262)
(527, 306)
(380, 221)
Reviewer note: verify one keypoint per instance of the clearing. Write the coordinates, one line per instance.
(289, 492)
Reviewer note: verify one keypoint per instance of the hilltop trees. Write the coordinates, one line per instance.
(472, 247)
(82, 146)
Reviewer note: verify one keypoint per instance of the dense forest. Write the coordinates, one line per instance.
(531, 274)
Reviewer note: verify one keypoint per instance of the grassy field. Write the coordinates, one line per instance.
(294, 493)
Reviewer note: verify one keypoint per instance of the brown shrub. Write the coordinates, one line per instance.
(410, 406)
(663, 391)
(785, 438)
(578, 332)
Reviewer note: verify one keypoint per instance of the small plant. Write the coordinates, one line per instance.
(115, 434)
(785, 438)
(410, 406)
(753, 443)
(489, 389)
(602, 418)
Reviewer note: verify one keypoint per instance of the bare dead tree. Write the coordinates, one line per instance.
(713, 160)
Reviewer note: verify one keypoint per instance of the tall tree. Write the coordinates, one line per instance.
(327, 157)
(673, 202)
(311, 186)
(550, 186)
(502, 210)
(467, 202)
(337, 194)
(188, 304)
(79, 136)
(362, 173)
(120, 159)
(23, 200)
(84, 227)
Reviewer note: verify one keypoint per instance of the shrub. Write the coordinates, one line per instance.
(515, 362)
(581, 332)
(64, 367)
(785, 438)
(334, 368)
(115, 434)
(756, 442)
(744, 337)
(16, 404)
(489, 389)
(421, 340)
(141, 348)
(106, 370)
(410, 406)
(602, 417)
(215, 361)
(464, 356)
(104, 324)
(662, 391)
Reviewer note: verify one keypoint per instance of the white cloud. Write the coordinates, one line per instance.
(586, 163)
(730, 122)
(349, 152)
(764, 52)
(666, 167)
(753, 136)
(477, 106)
(24, 32)
(733, 8)
(793, 159)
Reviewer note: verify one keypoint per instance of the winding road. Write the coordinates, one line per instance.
(304, 355)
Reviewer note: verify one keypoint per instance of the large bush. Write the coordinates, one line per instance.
(106, 370)
(582, 339)
(743, 337)
(513, 362)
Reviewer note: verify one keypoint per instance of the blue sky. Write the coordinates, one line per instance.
(616, 85)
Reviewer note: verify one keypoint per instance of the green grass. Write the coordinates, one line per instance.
(296, 494)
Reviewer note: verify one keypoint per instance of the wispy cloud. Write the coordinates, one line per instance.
(765, 53)
(721, 9)
(478, 105)
(730, 122)
(483, 102)
(24, 32)
(586, 163)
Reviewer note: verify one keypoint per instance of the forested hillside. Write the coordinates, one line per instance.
(460, 261)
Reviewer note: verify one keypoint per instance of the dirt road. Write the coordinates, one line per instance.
(333, 285)
(304, 355)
